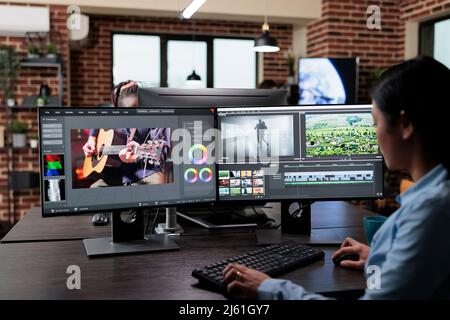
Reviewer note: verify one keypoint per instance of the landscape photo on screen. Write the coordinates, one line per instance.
(340, 134)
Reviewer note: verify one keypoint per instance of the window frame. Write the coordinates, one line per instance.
(166, 37)
(422, 27)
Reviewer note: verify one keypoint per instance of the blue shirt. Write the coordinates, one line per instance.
(411, 249)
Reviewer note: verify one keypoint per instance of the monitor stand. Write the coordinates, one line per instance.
(128, 237)
(171, 227)
(223, 218)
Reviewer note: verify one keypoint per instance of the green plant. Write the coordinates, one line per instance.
(33, 49)
(41, 101)
(17, 126)
(9, 67)
(52, 48)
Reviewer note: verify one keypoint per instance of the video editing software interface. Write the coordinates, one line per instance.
(99, 159)
(292, 152)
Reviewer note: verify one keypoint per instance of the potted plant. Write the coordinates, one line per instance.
(9, 67)
(33, 139)
(33, 51)
(19, 133)
(52, 50)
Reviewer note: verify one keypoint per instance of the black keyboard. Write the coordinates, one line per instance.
(274, 260)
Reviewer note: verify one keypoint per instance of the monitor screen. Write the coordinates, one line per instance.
(161, 97)
(293, 152)
(327, 81)
(100, 159)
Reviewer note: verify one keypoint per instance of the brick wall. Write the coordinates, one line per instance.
(418, 9)
(28, 83)
(342, 32)
(91, 67)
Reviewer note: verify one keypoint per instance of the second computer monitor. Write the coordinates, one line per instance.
(292, 152)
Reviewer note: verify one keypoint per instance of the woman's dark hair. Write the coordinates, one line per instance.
(123, 89)
(421, 89)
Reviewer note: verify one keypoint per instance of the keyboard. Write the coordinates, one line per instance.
(274, 260)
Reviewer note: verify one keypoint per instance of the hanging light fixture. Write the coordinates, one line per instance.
(194, 77)
(193, 80)
(265, 42)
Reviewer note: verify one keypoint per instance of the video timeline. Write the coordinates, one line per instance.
(339, 177)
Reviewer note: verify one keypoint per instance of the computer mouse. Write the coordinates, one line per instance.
(346, 256)
(100, 219)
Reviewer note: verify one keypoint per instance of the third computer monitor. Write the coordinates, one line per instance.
(293, 152)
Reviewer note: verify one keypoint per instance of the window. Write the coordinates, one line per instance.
(234, 63)
(167, 60)
(184, 57)
(434, 39)
(137, 57)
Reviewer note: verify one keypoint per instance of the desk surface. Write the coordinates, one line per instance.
(37, 270)
(32, 227)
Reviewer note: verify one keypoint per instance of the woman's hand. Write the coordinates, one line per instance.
(243, 280)
(351, 246)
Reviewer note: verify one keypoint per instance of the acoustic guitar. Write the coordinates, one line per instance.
(110, 143)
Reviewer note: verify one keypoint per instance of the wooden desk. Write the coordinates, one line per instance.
(32, 227)
(37, 270)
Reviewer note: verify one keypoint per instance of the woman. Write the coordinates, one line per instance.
(412, 248)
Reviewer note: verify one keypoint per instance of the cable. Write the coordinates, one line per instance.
(154, 221)
(148, 221)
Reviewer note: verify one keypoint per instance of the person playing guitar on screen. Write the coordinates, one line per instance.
(134, 169)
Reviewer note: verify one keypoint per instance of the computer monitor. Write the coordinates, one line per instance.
(168, 97)
(298, 152)
(135, 159)
(328, 80)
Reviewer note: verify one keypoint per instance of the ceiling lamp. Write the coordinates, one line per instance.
(265, 42)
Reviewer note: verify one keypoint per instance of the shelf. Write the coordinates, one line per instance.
(28, 102)
(42, 63)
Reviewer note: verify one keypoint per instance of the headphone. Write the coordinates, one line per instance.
(119, 89)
